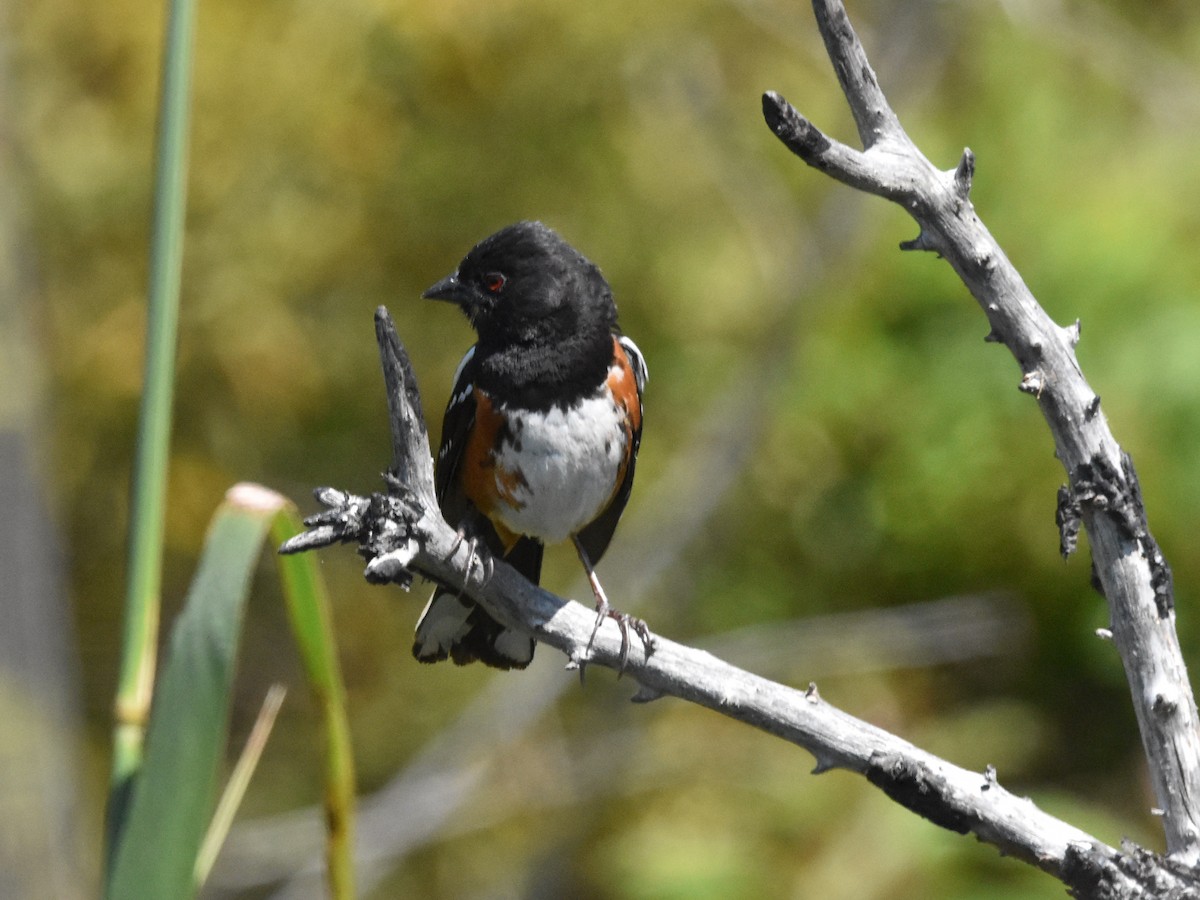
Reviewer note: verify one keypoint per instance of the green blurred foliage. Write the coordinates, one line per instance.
(346, 155)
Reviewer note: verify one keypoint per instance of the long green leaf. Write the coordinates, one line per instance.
(174, 796)
(144, 575)
(308, 606)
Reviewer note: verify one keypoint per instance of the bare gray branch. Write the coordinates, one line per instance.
(1103, 491)
(400, 535)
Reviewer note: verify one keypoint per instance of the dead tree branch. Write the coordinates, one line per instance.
(1102, 490)
(402, 533)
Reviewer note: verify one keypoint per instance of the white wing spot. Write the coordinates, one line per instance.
(462, 364)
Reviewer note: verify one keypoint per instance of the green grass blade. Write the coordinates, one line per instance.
(174, 794)
(235, 789)
(308, 607)
(144, 574)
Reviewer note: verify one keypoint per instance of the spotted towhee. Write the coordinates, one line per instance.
(541, 434)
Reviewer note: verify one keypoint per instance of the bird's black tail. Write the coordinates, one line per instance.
(456, 628)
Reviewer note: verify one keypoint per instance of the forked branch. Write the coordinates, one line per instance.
(1102, 491)
(402, 533)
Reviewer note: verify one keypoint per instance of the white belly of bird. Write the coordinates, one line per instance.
(568, 463)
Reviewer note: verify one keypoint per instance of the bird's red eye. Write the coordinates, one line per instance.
(494, 282)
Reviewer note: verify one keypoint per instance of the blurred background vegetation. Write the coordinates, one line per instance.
(878, 456)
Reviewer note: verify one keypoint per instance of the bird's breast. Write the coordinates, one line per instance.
(554, 471)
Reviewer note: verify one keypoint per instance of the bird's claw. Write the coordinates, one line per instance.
(624, 622)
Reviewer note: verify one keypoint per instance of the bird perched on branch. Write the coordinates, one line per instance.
(541, 434)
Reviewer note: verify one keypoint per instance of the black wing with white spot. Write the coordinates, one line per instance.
(452, 626)
(456, 427)
(640, 372)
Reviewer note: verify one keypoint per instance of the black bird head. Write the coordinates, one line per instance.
(525, 285)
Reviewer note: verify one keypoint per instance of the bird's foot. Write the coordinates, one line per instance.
(625, 623)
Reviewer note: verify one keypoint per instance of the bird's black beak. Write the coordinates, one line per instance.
(449, 289)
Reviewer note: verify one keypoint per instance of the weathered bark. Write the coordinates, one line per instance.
(1102, 489)
(402, 533)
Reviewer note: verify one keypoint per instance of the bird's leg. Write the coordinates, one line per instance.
(471, 557)
(459, 536)
(604, 609)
